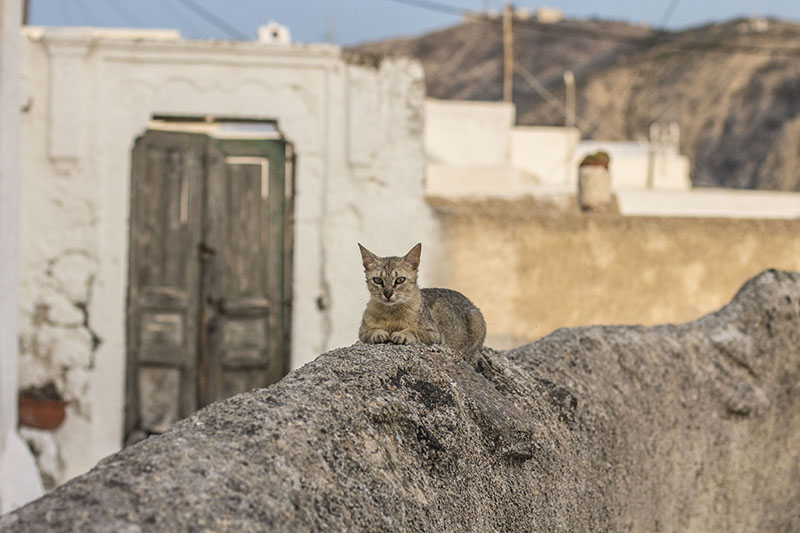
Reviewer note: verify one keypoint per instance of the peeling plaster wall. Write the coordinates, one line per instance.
(9, 213)
(19, 482)
(356, 132)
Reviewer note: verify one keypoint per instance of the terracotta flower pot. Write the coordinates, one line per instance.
(41, 413)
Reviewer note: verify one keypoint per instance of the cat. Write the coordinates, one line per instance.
(399, 312)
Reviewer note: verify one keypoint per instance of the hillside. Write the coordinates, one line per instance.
(734, 87)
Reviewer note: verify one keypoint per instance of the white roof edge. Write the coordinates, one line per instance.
(468, 103)
(151, 34)
(66, 35)
(711, 203)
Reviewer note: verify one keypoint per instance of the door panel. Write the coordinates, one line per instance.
(163, 301)
(159, 393)
(245, 231)
(242, 288)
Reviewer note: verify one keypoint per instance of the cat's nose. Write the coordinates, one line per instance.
(388, 293)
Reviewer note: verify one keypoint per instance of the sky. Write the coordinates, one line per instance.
(349, 22)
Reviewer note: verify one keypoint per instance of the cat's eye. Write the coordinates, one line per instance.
(377, 281)
(399, 280)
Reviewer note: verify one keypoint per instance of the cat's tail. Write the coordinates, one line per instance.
(476, 331)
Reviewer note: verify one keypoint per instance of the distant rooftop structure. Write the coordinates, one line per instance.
(542, 15)
(274, 33)
(474, 150)
(549, 15)
(753, 25)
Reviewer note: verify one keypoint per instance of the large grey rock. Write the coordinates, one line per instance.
(691, 427)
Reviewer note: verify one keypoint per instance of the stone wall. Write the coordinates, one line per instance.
(692, 427)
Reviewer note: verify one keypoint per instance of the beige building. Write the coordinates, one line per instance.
(532, 267)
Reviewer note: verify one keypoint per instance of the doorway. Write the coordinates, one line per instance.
(210, 263)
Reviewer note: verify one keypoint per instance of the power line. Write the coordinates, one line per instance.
(669, 43)
(173, 12)
(658, 37)
(431, 5)
(539, 87)
(566, 29)
(66, 13)
(210, 17)
(668, 13)
(87, 15)
(126, 15)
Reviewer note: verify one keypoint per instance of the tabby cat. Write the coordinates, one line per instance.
(400, 312)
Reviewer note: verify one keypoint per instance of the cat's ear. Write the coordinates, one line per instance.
(367, 258)
(412, 257)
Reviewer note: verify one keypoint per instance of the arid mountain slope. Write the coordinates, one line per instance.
(734, 88)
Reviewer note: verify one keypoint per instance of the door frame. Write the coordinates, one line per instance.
(188, 125)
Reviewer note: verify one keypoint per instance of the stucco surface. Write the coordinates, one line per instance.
(532, 268)
(692, 427)
(19, 481)
(465, 138)
(356, 132)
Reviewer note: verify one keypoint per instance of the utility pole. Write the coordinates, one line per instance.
(26, 12)
(508, 52)
(569, 89)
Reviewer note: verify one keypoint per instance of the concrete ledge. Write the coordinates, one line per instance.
(721, 203)
(677, 427)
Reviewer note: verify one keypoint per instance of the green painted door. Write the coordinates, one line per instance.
(209, 297)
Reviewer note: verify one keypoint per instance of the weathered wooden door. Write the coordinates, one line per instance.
(244, 274)
(209, 273)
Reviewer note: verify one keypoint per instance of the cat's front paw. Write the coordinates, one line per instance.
(404, 337)
(377, 336)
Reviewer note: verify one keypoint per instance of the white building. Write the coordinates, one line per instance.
(89, 94)
(474, 149)
(19, 479)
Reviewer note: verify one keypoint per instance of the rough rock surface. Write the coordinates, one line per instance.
(671, 428)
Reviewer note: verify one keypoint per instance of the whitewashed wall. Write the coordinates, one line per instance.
(357, 133)
(637, 165)
(468, 133)
(546, 155)
(475, 150)
(19, 481)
